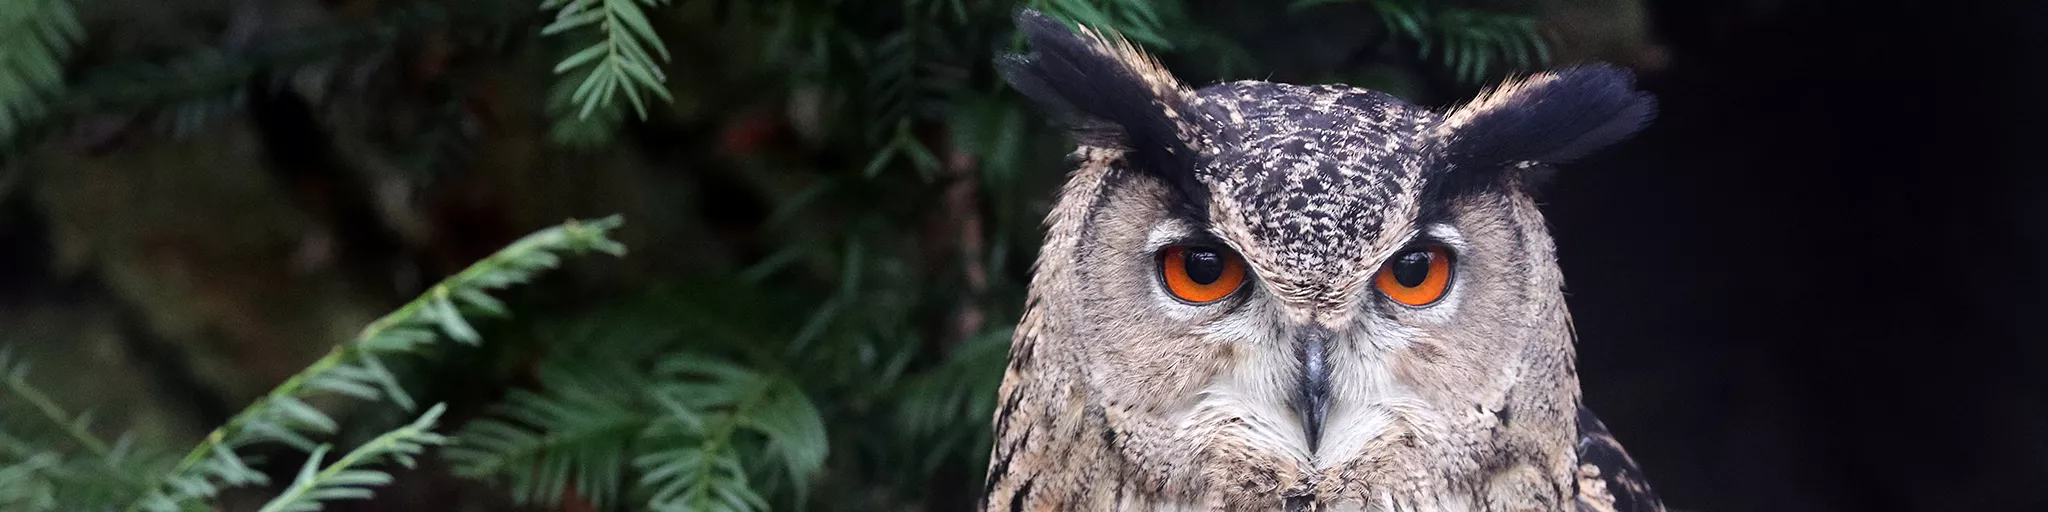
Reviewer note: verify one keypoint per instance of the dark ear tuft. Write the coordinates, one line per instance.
(1112, 94)
(1547, 119)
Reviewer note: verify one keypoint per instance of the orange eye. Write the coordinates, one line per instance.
(1416, 277)
(1200, 274)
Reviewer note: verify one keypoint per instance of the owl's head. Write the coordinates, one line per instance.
(1311, 280)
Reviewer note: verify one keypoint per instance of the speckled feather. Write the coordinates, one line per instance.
(1335, 159)
(1118, 398)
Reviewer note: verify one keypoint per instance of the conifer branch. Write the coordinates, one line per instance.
(1468, 42)
(353, 369)
(620, 61)
(342, 480)
(16, 381)
(680, 428)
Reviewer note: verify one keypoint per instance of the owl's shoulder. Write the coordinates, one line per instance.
(1608, 479)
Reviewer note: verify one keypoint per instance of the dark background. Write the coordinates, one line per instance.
(1814, 283)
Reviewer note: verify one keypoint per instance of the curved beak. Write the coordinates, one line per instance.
(1312, 395)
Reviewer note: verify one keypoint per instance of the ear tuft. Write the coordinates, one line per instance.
(1113, 94)
(1549, 118)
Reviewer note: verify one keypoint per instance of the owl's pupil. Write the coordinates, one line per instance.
(1411, 268)
(1203, 266)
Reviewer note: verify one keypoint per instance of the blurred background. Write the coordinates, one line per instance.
(1812, 284)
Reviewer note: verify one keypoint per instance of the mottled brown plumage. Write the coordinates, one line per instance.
(1307, 388)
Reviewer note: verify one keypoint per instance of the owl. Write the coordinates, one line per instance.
(1265, 296)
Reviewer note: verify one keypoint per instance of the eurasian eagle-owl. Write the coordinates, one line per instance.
(1258, 296)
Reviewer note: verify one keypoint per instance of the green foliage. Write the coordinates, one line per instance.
(1469, 42)
(344, 480)
(719, 393)
(960, 390)
(1145, 22)
(35, 39)
(576, 127)
(684, 426)
(57, 463)
(355, 368)
(580, 432)
(40, 476)
(623, 58)
(22, 484)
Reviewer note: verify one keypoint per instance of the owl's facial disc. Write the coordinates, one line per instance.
(1416, 277)
(1342, 350)
(1328, 360)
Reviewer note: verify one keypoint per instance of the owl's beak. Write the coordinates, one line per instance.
(1312, 401)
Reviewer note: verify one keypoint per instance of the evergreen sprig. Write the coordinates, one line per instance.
(75, 428)
(344, 480)
(354, 368)
(24, 483)
(962, 388)
(1145, 22)
(1469, 42)
(36, 37)
(577, 431)
(685, 430)
(92, 475)
(623, 58)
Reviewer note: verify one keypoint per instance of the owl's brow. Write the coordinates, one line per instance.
(1436, 202)
(1187, 201)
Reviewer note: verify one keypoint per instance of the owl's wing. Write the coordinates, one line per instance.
(1609, 481)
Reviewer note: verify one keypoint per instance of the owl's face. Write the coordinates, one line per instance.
(1317, 285)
